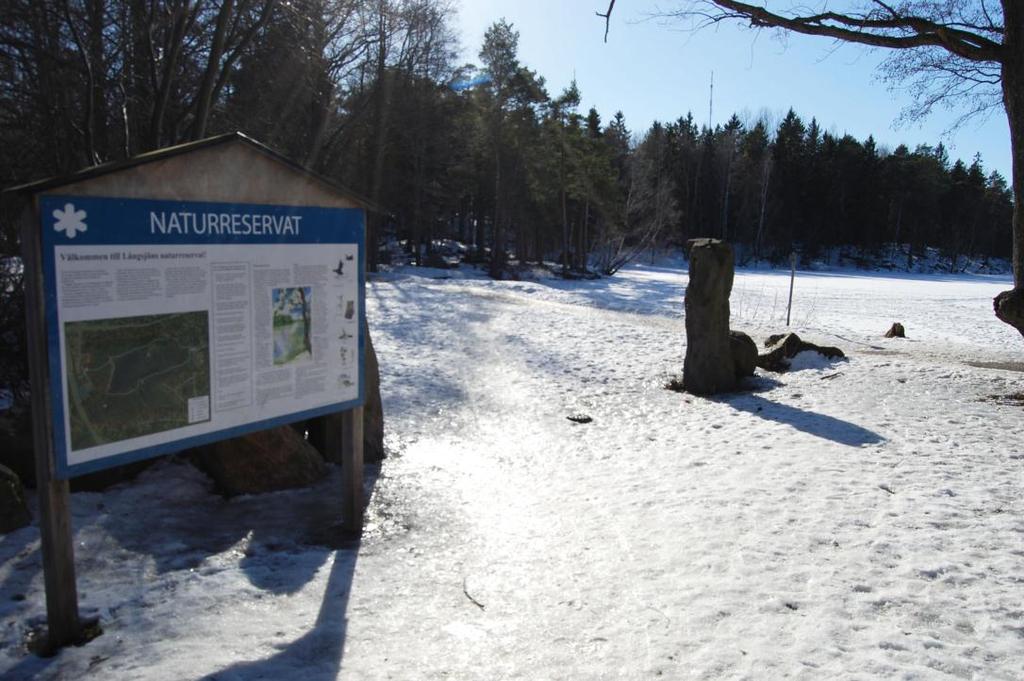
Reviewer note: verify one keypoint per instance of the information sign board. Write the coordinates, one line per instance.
(172, 324)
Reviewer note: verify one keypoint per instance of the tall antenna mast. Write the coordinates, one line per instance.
(711, 100)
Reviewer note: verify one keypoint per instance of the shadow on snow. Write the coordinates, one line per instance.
(318, 652)
(812, 423)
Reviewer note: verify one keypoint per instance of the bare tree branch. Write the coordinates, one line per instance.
(884, 27)
(607, 16)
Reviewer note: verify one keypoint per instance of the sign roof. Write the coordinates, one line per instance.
(230, 138)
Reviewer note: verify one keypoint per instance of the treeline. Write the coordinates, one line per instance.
(773, 189)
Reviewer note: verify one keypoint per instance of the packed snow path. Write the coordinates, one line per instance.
(859, 519)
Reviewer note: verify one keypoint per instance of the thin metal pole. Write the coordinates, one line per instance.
(792, 276)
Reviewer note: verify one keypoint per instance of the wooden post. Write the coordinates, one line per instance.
(325, 435)
(792, 276)
(352, 469)
(54, 498)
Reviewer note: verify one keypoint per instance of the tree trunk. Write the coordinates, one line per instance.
(899, 225)
(205, 94)
(498, 228)
(728, 187)
(321, 118)
(565, 234)
(538, 242)
(766, 173)
(96, 14)
(373, 220)
(1013, 97)
(184, 15)
(91, 88)
(417, 206)
(381, 102)
(561, 186)
(584, 249)
(1009, 305)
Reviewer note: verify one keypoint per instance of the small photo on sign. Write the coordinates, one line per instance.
(292, 324)
(134, 376)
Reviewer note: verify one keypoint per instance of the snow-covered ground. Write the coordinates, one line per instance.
(849, 520)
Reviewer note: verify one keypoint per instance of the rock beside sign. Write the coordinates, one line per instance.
(16, 452)
(373, 411)
(373, 417)
(14, 513)
(264, 461)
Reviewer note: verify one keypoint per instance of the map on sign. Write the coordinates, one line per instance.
(136, 376)
(174, 324)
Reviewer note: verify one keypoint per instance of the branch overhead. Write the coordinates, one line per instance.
(607, 16)
(883, 25)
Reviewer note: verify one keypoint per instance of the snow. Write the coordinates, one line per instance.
(850, 519)
(810, 360)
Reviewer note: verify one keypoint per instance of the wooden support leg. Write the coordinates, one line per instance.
(352, 469)
(54, 496)
(62, 620)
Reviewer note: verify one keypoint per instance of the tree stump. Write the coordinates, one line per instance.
(782, 347)
(896, 331)
(708, 367)
(744, 353)
(1009, 308)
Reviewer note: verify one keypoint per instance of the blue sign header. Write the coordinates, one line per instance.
(89, 220)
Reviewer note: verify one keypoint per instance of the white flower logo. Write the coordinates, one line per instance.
(69, 220)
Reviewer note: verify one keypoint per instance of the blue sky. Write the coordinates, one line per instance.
(652, 70)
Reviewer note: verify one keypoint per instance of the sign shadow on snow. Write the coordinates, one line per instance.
(194, 525)
(316, 654)
(812, 423)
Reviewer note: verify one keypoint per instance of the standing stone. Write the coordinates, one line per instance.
(708, 367)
